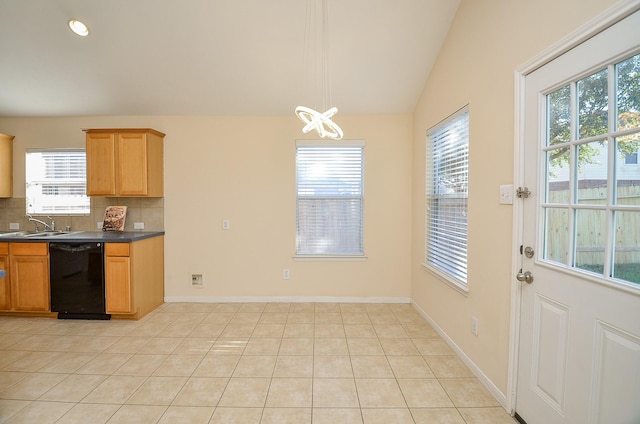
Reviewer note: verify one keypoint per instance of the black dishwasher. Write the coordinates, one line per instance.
(77, 280)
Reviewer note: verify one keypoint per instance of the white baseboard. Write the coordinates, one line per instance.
(289, 299)
(486, 382)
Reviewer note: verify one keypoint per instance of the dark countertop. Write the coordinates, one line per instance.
(85, 236)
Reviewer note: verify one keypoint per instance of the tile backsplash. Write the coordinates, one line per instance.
(150, 211)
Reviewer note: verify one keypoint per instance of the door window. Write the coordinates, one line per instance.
(591, 207)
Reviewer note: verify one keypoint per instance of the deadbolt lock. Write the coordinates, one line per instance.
(528, 252)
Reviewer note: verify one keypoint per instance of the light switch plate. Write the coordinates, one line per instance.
(506, 194)
(14, 225)
(138, 225)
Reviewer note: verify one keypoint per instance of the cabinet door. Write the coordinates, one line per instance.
(30, 283)
(132, 165)
(118, 284)
(5, 286)
(6, 165)
(101, 164)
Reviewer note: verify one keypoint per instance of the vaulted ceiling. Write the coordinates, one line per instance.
(213, 57)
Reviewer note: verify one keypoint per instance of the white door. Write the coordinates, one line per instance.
(579, 353)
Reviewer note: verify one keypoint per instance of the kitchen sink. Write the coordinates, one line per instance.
(12, 233)
(44, 234)
(34, 234)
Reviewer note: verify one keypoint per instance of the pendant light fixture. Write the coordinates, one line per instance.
(317, 57)
(78, 27)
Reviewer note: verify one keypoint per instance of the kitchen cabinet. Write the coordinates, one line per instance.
(6, 165)
(125, 162)
(5, 286)
(134, 277)
(101, 164)
(117, 270)
(26, 285)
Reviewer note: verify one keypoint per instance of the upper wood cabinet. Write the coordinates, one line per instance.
(6, 165)
(125, 162)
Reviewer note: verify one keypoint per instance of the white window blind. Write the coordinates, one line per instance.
(329, 206)
(447, 192)
(56, 182)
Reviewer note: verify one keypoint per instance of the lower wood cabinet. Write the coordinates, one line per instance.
(134, 277)
(117, 275)
(25, 288)
(5, 283)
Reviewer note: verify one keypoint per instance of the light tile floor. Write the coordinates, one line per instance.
(239, 363)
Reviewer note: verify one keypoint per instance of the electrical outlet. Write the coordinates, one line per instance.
(99, 224)
(196, 280)
(138, 225)
(225, 224)
(285, 274)
(474, 325)
(14, 226)
(506, 194)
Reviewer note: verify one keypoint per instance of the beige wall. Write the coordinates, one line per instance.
(487, 42)
(243, 170)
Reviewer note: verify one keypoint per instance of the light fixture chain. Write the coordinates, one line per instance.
(317, 39)
(326, 88)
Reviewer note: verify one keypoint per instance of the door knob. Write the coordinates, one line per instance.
(526, 276)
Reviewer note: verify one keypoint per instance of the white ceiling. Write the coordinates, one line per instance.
(212, 57)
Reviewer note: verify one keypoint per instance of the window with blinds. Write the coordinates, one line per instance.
(447, 192)
(329, 200)
(56, 182)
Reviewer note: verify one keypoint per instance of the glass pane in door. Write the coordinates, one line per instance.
(592, 173)
(626, 260)
(559, 116)
(628, 171)
(591, 239)
(593, 105)
(558, 172)
(556, 236)
(628, 93)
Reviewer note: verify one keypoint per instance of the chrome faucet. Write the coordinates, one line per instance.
(47, 227)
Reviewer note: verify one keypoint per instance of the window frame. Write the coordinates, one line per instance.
(84, 212)
(331, 255)
(443, 268)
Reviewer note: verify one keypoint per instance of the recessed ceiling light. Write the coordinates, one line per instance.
(79, 27)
